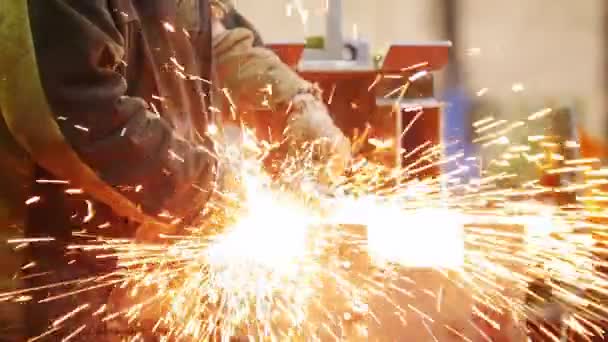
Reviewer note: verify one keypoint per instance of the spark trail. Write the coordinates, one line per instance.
(301, 262)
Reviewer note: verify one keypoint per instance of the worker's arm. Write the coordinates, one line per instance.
(254, 74)
(79, 50)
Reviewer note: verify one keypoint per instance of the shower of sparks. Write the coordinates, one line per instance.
(290, 259)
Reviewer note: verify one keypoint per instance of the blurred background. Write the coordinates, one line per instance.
(511, 57)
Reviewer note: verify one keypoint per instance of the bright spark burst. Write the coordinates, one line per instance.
(289, 259)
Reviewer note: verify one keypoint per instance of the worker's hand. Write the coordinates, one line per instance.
(309, 124)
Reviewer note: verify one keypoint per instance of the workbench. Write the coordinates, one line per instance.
(371, 99)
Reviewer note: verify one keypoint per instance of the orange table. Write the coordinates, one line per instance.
(359, 99)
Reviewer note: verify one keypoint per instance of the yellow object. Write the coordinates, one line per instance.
(315, 42)
(30, 122)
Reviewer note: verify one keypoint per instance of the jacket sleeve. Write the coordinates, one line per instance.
(233, 19)
(79, 51)
(252, 73)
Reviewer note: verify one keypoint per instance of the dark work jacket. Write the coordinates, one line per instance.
(129, 86)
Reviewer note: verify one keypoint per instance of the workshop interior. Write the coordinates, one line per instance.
(333, 170)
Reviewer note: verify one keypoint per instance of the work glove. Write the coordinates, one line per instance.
(309, 126)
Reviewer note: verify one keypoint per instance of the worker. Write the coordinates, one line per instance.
(105, 108)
